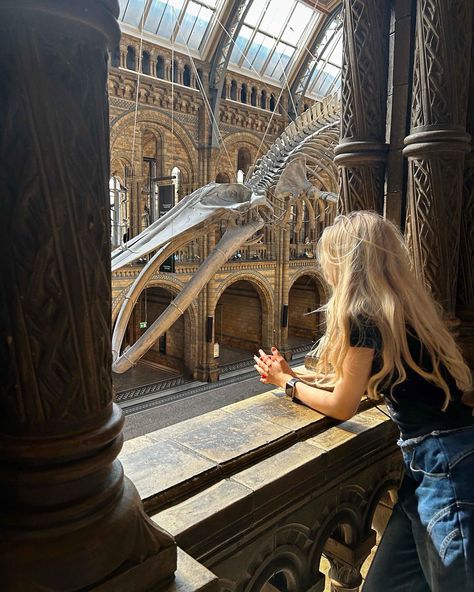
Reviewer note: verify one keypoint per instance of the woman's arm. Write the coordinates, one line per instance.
(343, 402)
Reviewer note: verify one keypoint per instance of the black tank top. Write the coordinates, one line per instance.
(415, 404)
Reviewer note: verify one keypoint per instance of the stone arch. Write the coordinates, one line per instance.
(284, 552)
(146, 62)
(389, 481)
(222, 178)
(265, 292)
(156, 121)
(314, 272)
(130, 59)
(233, 142)
(174, 286)
(304, 298)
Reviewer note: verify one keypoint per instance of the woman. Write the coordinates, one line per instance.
(385, 336)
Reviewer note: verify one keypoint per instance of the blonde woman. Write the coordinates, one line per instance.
(385, 337)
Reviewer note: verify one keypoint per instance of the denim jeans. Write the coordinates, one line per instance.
(428, 545)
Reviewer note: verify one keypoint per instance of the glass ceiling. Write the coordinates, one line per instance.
(273, 36)
(272, 31)
(186, 22)
(326, 78)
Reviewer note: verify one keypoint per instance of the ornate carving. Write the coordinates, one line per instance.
(441, 62)
(437, 143)
(63, 499)
(364, 69)
(362, 188)
(361, 153)
(432, 202)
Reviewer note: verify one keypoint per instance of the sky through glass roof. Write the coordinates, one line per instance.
(274, 35)
(272, 32)
(187, 20)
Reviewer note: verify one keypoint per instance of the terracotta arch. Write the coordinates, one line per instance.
(265, 293)
(174, 286)
(155, 121)
(312, 272)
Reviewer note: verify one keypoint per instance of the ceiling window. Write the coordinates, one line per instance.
(272, 32)
(185, 22)
(326, 78)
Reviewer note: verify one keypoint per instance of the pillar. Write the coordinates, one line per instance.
(465, 287)
(69, 520)
(362, 151)
(438, 142)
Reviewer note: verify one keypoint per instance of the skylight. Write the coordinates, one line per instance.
(186, 22)
(272, 32)
(326, 78)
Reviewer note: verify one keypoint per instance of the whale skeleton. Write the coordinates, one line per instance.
(277, 185)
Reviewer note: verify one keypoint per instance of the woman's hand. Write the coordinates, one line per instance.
(273, 368)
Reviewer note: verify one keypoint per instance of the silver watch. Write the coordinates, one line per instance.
(290, 387)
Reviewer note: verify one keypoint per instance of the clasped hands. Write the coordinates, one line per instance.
(273, 368)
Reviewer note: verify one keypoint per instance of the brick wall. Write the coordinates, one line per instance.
(239, 317)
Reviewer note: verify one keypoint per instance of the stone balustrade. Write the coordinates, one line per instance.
(261, 489)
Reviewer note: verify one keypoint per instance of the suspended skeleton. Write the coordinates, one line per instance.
(244, 209)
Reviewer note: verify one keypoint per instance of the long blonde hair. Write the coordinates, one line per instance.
(364, 259)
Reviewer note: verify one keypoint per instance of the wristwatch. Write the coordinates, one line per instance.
(290, 388)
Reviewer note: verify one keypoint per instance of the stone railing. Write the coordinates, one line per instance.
(258, 491)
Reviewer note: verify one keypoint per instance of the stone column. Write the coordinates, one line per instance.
(346, 561)
(362, 151)
(465, 288)
(438, 142)
(69, 520)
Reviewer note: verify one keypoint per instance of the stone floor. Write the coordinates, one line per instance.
(146, 372)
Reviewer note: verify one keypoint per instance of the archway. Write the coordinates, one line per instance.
(172, 354)
(304, 320)
(238, 322)
(222, 178)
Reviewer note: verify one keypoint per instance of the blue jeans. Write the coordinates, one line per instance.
(428, 545)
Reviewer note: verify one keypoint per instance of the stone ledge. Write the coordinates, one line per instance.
(221, 514)
(191, 576)
(175, 463)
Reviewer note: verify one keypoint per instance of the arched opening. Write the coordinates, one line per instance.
(253, 96)
(238, 323)
(272, 102)
(244, 160)
(187, 75)
(233, 90)
(281, 581)
(175, 72)
(115, 57)
(304, 322)
(263, 99)
(170, 355)
(146, 62)
(118, 212)
(222, 178)
(131, 61)
(176, 174)
(243, 93)
(224, 90)
(160, 67)
(151, 170)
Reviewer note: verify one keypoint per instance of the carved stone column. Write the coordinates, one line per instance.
(362, 151)
(465, 288)
(438, 142)
(69, 520)
(346, 562)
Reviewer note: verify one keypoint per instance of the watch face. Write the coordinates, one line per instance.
(290, 388)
